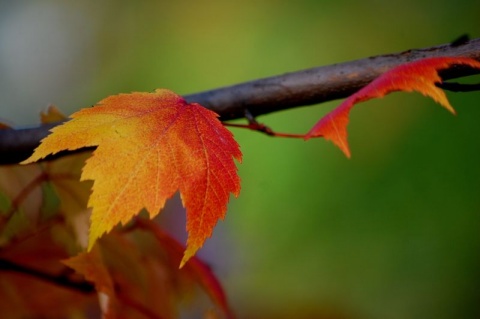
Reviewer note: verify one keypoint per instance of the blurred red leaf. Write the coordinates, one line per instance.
(196, 268)
(136, 274)
(92, 267)
(27, 295)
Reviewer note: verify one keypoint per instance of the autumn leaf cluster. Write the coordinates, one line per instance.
(131, 273)
(148, 146)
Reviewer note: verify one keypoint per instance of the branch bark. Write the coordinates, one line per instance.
(276, 93)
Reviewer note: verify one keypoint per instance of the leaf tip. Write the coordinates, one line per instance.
(95, 233)
(91, 243)
(191, 250)
(450, 109)
(338, 136)
(342, 144)
(346, 151)
(32, 159)
(189, 253)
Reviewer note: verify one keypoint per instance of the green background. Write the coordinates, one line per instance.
(391, 233)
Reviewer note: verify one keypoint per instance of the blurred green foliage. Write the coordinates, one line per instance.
(391, 233)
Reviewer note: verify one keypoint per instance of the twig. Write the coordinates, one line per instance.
(58, 280)
(458, 87)
(277, 93)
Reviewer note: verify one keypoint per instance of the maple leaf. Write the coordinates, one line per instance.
(420, 76)
(149, 146)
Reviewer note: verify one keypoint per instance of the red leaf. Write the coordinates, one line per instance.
(419, 76)
(196, 268)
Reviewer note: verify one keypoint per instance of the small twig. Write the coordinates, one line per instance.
(458, 87)
(260, 127)
(61, 280)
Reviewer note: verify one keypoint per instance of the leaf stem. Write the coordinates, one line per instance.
(262, 128)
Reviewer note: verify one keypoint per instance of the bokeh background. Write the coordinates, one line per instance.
(391, 233)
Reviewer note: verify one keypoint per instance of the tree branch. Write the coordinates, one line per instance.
(276, 93)
(58, 280)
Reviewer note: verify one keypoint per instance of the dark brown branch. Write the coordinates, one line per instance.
(277, 93)
(58, 280)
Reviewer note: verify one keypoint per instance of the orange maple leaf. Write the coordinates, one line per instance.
(420, 76)
(149, 146)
